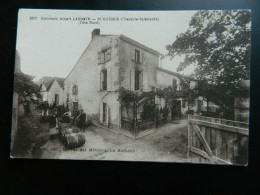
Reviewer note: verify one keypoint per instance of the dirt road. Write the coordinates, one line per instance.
(167, 144)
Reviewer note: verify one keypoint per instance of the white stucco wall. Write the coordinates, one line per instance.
(164, 79)
(55, 89)
(149, 62)
(86, 75)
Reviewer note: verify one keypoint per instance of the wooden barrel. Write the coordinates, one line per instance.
(67, 131)
(74, 140)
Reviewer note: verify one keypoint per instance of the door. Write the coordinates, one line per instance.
(104, 113)
(176, 109)
(56, 99)
(75, 109)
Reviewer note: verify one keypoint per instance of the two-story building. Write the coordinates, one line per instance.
(108, 63)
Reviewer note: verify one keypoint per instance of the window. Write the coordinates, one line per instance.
(104, 80)
(174, 83)
(137, 79)
(104, 56)
(137, 56)
(75, 90)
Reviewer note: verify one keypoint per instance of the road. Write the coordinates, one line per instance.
(167, 144)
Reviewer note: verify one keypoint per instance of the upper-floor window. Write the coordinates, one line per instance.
(174, 83)
(137, 56)
(75, 90)
(104, 56)
(104, 79)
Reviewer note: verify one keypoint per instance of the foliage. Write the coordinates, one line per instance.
(31, 135)
(134, 98)
(168, 93)
(24, 86)
(218, 42)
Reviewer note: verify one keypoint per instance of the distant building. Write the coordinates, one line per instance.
(52, 90)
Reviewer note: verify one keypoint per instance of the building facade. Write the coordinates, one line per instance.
(109, 63)
(52, 90)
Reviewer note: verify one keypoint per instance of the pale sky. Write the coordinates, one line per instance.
(52, 47)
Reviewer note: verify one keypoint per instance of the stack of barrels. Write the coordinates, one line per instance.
(72, 138)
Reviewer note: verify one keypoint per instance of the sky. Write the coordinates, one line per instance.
(50, 47)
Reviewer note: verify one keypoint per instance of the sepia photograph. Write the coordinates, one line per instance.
(156, 86)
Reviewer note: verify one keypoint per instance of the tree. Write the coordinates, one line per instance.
(26, 89)
(218, 42)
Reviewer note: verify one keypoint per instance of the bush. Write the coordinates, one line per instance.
(31, 134)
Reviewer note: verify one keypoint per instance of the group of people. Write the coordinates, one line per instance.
(79, 119)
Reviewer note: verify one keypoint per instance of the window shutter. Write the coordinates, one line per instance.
(141, 81)
(145, 80)
(141, 57)
(109, 54)
(114, 78)
(109, 79)
(99, 57)
(98, 80)
(132, 79)
(132, 55)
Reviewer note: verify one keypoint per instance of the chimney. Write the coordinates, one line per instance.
(95, 32)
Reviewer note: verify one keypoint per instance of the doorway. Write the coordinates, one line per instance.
(56, 100)
(176, 109)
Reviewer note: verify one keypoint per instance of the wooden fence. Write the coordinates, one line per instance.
(219, 141)
(128, 125)
(134, 127)
(145, 124)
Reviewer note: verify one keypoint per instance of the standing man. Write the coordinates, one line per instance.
(82, 120)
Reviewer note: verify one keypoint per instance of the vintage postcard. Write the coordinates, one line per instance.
(160, 86)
